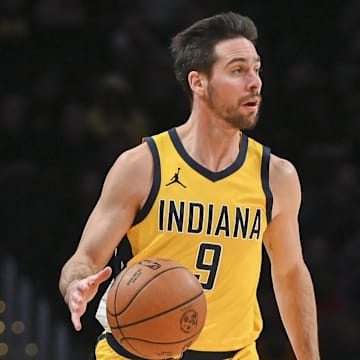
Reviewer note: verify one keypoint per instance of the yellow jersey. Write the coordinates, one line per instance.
(212, 223)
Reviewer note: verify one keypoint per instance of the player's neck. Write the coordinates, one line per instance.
(215, 146)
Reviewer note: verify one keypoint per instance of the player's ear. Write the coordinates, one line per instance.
(197, 82)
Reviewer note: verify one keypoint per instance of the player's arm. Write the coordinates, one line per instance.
(125, 190)
(292, 282)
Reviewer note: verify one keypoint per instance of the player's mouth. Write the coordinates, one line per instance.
(252, 104)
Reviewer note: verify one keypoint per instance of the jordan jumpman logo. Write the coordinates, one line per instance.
(175, 179)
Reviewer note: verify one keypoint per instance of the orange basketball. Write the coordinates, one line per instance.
(156, 308)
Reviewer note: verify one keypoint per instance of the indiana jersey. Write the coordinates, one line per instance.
(212, 223)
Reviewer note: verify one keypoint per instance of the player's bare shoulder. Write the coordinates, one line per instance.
(137, 158)
(284, 184)
(132, 173)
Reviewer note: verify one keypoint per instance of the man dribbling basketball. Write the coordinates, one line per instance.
(230, 196)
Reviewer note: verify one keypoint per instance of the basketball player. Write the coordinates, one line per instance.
(208, 196)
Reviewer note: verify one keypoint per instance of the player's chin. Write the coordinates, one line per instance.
(243, 121)
(253, 121)
(249, 122)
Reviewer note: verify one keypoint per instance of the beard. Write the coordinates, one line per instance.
(231, 114)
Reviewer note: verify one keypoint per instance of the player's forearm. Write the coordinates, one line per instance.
(296, 300)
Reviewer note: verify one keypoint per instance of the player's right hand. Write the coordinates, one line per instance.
(81, 292)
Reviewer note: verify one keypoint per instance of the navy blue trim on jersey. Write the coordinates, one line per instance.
(115, 345)
(265, 163)
(211, 175)
(187, 355)
(156, 182)
(122, 256)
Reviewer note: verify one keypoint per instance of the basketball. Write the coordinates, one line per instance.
(156, 308)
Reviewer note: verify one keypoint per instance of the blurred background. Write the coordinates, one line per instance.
(81, 81)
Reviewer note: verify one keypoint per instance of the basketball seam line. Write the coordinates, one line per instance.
(159, 314)
(139, 291)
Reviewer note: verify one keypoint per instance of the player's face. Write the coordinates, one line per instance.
(234, 86)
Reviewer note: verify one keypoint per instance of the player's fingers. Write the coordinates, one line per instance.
(78, 296)
(83, 287)
(101, 276)
(82, 292)
(75, 319)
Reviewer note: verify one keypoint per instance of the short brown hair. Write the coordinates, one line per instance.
(193, 48)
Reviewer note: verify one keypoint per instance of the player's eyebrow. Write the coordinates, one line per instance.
(256, 59)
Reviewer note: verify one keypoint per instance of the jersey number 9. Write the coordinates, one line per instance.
(208, 260)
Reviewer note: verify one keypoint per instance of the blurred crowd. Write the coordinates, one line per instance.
(81, 81)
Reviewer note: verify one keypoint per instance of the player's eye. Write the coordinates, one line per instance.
(238, 71)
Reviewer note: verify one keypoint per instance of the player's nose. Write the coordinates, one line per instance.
(254, 83)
